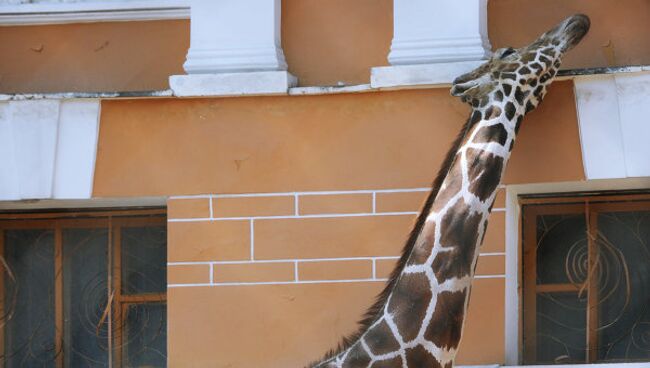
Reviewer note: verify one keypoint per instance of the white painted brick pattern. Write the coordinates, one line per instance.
(214, 265)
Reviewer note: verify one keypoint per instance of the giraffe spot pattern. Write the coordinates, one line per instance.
(453, 183)
(520, 95)
(357, 357)
(456, 262)
(489, 167)
(388, 363)
(492, 112)
(492, 133)
(459, 226)
(446, 323)
(380, 339)
(507, 89)
(475, 118)
(510, 110)
(419, 357)
(409, 302)
(425, 242)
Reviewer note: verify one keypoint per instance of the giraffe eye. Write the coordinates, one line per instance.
(507, 52)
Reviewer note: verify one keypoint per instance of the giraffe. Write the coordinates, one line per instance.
(417, 320)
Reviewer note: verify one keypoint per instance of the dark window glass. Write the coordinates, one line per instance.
(85, 285)
(587, 271)
(561, 328)
(84, 292)
(146, 326)
(144, 259)
(29, 298)
(624, 286)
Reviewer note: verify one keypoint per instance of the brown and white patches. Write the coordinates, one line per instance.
(356, 357)
(424, 244)
(388, 363)
(446, 324)
(419, 357)
(484, 172)
(380, 339)
(451, 186)
(409, 303)
(510, 110)
(459, 226)
(492, 133)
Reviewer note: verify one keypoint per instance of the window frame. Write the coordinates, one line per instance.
(113, 221)
(589, 204)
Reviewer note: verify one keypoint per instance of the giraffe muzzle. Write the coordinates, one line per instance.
(571, 31)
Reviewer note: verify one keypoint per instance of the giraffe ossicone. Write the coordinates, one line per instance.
(417, 320)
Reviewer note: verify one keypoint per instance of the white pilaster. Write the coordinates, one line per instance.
(613, 115)
(234, 36)
(47, 149)
(228, 40)
(434, 41)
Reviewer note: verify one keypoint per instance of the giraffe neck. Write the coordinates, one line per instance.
(421, 322)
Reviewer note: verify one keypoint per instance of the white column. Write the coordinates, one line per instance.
(434, 41)
(439, 31)
(234, 50)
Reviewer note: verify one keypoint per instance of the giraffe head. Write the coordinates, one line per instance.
(521, 74)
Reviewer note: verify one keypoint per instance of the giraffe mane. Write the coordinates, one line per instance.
(372, 313)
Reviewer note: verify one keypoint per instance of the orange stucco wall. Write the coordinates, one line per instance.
(325, 42)
(333, 142)
(290, 269)
(336, 41)
(618, 34)
(90, 57)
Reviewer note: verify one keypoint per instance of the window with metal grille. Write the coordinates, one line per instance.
(586, 278)
(83, 289)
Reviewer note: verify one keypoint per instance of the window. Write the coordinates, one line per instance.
(83, 289)
(586, 278)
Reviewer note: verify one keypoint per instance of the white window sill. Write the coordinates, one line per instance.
(419, 75)
(93, 11)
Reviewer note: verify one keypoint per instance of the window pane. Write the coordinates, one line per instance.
(146, 330)
(144, 260)
(85, 267)
(561, 249)
(560, 328)
(623, 272)
(29, 299)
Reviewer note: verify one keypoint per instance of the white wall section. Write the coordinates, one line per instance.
(48, 149)
(76, 149)
(614, 119)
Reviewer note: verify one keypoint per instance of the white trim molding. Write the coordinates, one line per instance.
(434, 41)
(92, 11)
(48, 149)
(232, 84)
(613, 113)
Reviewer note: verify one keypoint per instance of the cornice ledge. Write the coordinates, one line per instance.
(86, 12)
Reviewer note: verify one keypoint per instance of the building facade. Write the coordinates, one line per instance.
(229, 183)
